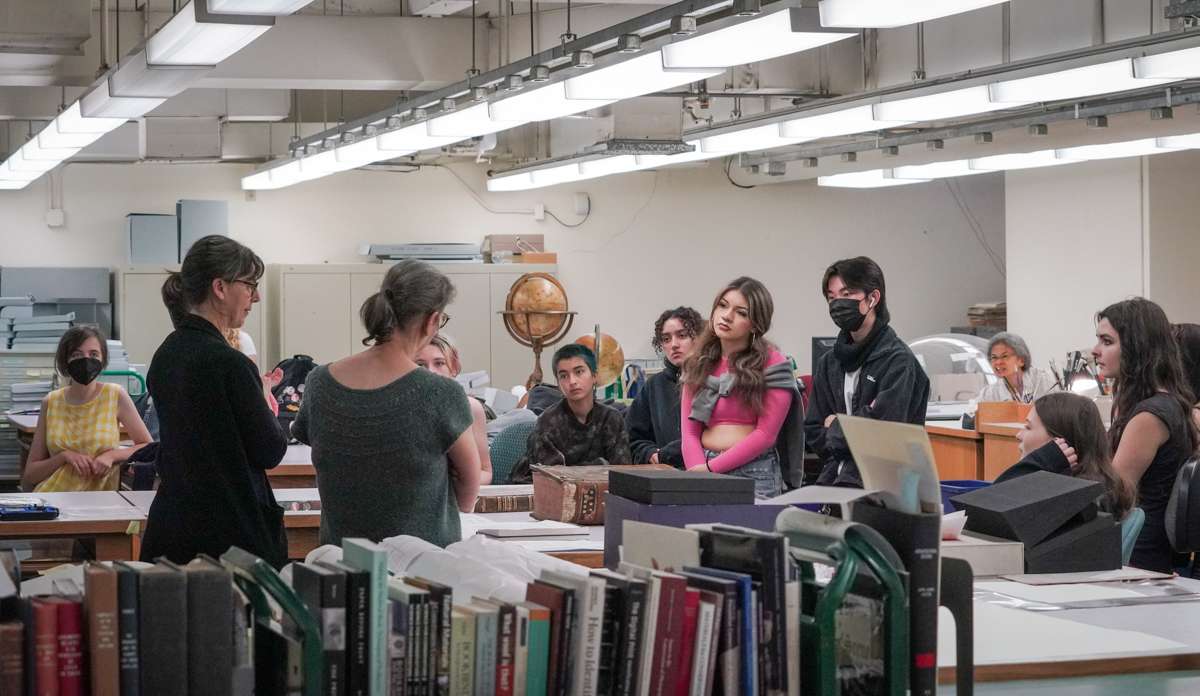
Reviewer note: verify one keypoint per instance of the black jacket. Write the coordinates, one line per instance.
(653, 419)
(218, 437)
(892, 386)
(1048, 457)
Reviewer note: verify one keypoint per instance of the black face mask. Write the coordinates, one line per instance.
(845, 314)
(85, 370)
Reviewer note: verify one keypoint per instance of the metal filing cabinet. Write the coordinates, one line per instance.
(15, 368)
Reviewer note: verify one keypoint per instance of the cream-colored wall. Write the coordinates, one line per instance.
(654, 240)
(1075, 240)
(1174, 188)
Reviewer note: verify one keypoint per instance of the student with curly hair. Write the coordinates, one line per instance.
(653, 419)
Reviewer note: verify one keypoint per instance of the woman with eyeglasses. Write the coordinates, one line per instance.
(392, 443)
(1019, 380)
(219, 434)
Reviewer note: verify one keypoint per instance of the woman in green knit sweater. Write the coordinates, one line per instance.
(391, 443)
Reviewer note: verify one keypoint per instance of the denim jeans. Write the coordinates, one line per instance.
(764, 470)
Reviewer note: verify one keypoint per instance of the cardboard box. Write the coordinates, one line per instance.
(987, 555)
(508, 242)
(530, 257)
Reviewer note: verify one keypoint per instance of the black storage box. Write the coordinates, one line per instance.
(673, 487)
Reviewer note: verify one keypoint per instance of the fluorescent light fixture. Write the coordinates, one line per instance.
(1176, 65)
(557, 175)
(860, 119)
(193, 37)
(759, 138)
(18, 162)
(885, 14)
(936, 107)
(1180, 142)
(1075, 83)
(7, 173)
(326, 162)
(876, 178)
(632, 78)
(99, 103)
(72, 121)
(291, 173)
(32, 150)
(365, 151)
(609, 165)
(9, 185)
(516, 182)
(654, 161)
(542, 104)
(470, 122)
(259, 7)
(762, 38)
(137, 78)
(1130, 148)
(413, 138)
(261, 181)
(1020, 160)
(936, 170)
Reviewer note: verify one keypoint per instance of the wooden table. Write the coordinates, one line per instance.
(1101, 673)
(587, 559)
(296, 469)
(301, 526)
(1000, 448)
(105, 521)
(958, 453)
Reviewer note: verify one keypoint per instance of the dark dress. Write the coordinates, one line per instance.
(217, 439)
(380, 455)
(653, 419)
(1153, 548)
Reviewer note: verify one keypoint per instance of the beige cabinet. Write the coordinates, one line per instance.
(317, 313)
(142, 321)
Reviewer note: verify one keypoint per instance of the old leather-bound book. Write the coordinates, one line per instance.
(574, 494)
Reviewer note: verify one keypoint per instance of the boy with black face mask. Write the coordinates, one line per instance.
(870, 372)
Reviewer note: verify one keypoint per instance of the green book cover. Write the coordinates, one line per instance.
(370, 557)
(539, 653)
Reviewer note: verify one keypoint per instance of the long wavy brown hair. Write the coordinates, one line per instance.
(747, 365)
(1076, 419)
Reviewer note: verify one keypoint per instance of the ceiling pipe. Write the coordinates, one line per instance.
(105, 30)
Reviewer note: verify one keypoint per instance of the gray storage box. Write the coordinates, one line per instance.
(199, 219)
(153, 238)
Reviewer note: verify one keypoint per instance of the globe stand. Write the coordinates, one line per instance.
(537, 342)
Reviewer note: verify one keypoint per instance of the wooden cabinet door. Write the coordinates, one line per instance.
(471, 323)
(315, 321)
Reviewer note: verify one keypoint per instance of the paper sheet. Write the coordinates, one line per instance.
(952, 525)
(1015, 636)
(1057, 594)
(1125, 573)
(560, 546)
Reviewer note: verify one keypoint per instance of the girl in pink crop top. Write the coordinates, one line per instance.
(732, 411)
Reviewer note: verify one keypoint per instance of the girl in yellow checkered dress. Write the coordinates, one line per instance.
(77, 444)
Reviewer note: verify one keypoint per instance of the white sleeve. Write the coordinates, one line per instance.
(247, 343)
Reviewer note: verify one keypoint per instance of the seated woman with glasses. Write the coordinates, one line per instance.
(1019, 380)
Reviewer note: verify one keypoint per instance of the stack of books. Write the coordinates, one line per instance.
(40, 333)
(728, 624)
(27, 396)
(988, 314)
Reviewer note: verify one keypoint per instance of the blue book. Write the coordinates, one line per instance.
(371, 557)
(746, 599)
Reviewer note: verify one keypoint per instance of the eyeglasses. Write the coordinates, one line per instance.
(252, 284)
(998, 358)
(445, 319)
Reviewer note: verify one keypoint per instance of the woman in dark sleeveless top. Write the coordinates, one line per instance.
(1152, 432)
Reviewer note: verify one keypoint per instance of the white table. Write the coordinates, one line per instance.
(104, 517)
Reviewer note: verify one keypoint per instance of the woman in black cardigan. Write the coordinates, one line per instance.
(219, 434)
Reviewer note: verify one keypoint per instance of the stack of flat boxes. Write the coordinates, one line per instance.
(17, 368)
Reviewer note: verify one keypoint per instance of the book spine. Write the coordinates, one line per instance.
(333, 632)
(462, 656)
(756, 642)
(416, 624)
(397, 648)
(46, 641)
(485, 653)
(539, 657)
(357, 631)
(12, 658)
(521, 652)
(570, 642)
(774, 607)
(70, 649)
(445, 599)
(504, 503)
(127, 625)
(702, 649)
(792, 621)
(667, 641)
(506, 651)
(629, 643)
(102, 618)
(687, 643)
(649, 631)
(433, 630)
(592, 636)
(610, 628)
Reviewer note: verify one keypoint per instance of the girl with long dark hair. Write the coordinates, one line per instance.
(1152, 432)
(737, 390)
(1064, 434)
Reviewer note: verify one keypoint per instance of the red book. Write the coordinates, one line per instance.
(45, 640)
(12, 658)
(668, 635)
(506, 650)
(553, 599)
(70, 646)
(687, 650)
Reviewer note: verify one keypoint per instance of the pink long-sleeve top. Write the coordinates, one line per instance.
(732, 411)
